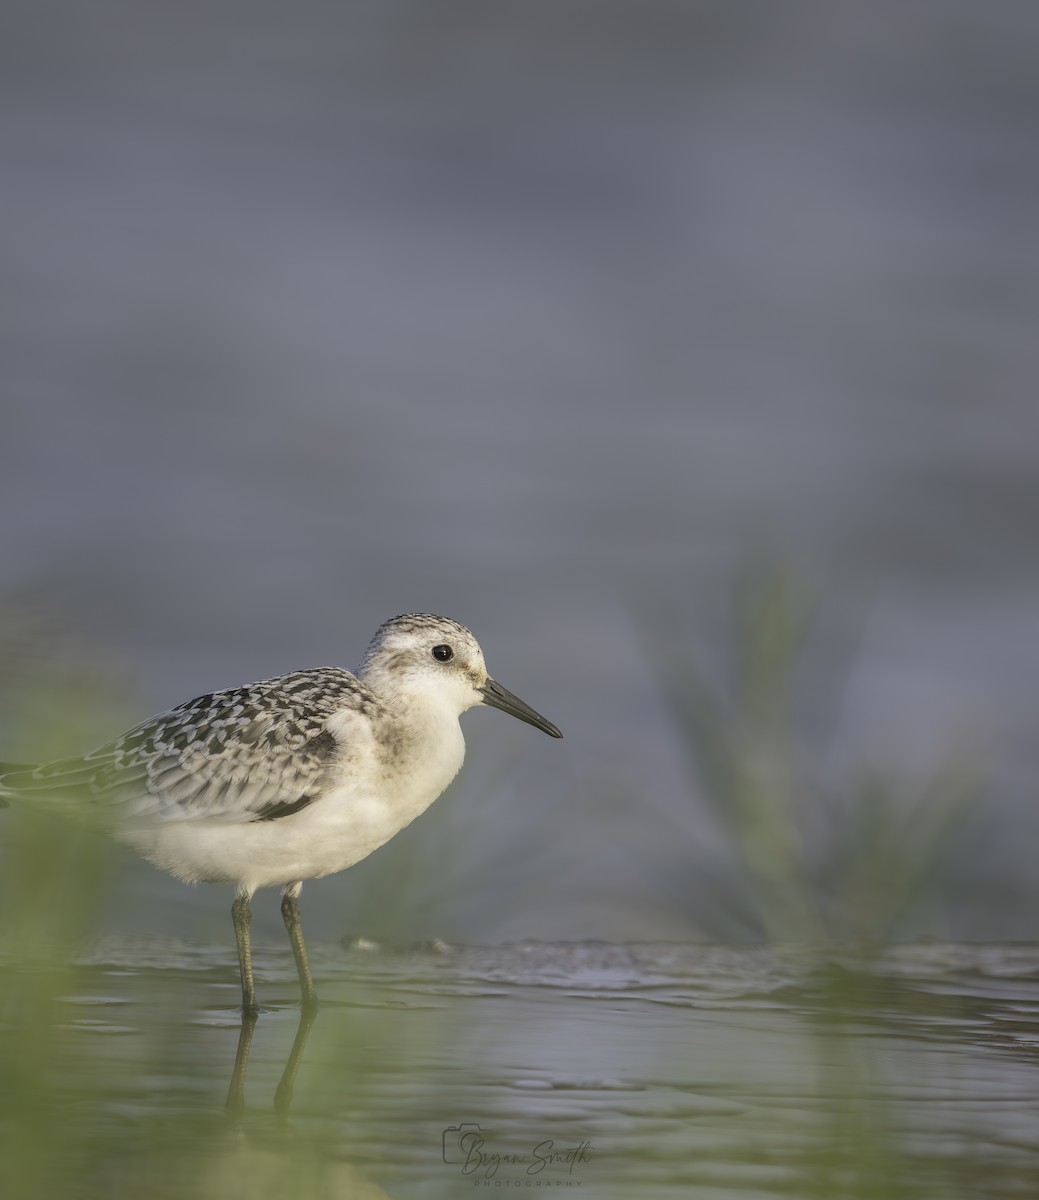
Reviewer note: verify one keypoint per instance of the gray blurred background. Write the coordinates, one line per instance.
(549, 317)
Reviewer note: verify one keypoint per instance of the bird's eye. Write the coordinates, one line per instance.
(443, 653)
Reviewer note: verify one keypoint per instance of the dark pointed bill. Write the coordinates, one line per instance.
(498, 697)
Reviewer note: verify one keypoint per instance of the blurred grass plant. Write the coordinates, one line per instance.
(834, 866)
(823, 859)
(52, 885)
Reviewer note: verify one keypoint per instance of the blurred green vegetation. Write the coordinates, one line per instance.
(843, 857)
(834, 863)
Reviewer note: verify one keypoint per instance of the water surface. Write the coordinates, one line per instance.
(660, 1069)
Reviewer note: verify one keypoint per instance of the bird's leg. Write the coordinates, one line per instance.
(241, 916)
(290, 914)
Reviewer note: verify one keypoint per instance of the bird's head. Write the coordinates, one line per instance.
(423, 657)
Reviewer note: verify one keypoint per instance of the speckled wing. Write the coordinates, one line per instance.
(254, 753)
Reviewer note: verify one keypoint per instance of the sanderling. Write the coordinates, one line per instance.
(287, 779)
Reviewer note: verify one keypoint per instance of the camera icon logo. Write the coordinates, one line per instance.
(458, 1141)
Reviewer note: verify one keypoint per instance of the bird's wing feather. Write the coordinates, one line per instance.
(253, 753)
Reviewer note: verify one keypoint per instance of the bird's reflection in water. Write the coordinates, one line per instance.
(235, 1105)
(261, 1166)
